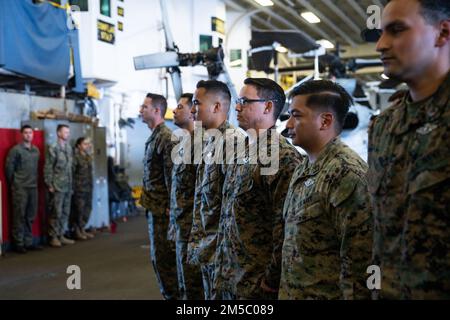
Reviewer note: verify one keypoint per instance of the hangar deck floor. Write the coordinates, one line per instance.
(113, 266)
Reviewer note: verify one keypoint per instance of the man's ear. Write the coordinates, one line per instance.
(444, 33)
(327, 120)
(269, 107)
(217, 107)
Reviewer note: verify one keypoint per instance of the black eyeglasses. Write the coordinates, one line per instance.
(244, 101)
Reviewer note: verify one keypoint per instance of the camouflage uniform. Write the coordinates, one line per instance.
(82, 190)
(58, 175)
(328, 228)
(21, 173)
(181, 205)
(207, 206)
(155, 198)
(409, 161)
(251, 229)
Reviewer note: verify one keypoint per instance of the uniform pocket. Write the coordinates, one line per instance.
(431, 165)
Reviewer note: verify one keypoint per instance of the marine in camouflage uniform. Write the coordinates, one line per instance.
(328, 228)
(21, 173)
(58, 175)
(207, 206)
(181, 206)
(409, 174)
(251, 228)
(156, 199)
(82, 190)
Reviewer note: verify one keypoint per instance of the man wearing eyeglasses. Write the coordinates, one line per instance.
(248, 255)
(211, 104)
(409, 153)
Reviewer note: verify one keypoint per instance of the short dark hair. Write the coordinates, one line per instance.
(80, 140)
(434, 11)
(269, 90)
(158, 101)
(24, 127)
(216, 87)
(189, 97)
(60, 126)
(326, 95)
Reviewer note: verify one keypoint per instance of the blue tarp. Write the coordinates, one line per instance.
(35, 41)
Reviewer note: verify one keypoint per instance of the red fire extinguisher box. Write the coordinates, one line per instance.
(8, 139)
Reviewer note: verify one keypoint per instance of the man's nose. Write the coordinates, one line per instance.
(290, 123)
(382, 43)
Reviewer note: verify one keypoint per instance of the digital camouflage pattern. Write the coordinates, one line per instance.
(251, 227)
(82, 190)
(207, 205)
(328, 228)
(58, 167)
(58, 175)
(21, 171)
(181, 206)
(409, 174)
(156, 199)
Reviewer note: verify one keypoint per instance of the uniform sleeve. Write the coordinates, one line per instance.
(351, 211)
(168, 164)
(48, 166)
(278, 188)
(192, 255)
(10, 166)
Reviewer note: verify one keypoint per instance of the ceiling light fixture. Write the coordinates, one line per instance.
(325, 43)
(310, 17)
(264, 3)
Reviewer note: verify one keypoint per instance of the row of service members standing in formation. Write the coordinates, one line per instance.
(67, 177)
(311, 229)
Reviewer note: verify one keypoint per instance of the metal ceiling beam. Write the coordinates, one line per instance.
(294, 14)
(341, 15)
(358, 9)
(274, 15)
(378, 3)
(328, 22)
(270, 26)
(260, 20)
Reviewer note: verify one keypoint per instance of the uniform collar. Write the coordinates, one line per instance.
(224, 126)
(155, 132)
(415, 114)
(329, 152)
(25, 147)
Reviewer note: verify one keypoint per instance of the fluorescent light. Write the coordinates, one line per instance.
(281, 49)
(385, 77)
(264, 3)
(325, 43)
(310, 17)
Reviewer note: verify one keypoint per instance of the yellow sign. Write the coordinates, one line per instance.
(106, 32)
(120, 11)
(218, 25)
(92, 91)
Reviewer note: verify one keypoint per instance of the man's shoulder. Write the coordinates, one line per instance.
(53, 147)
(288, 150)
(389, 115)
(15, 149)
(346, 161)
